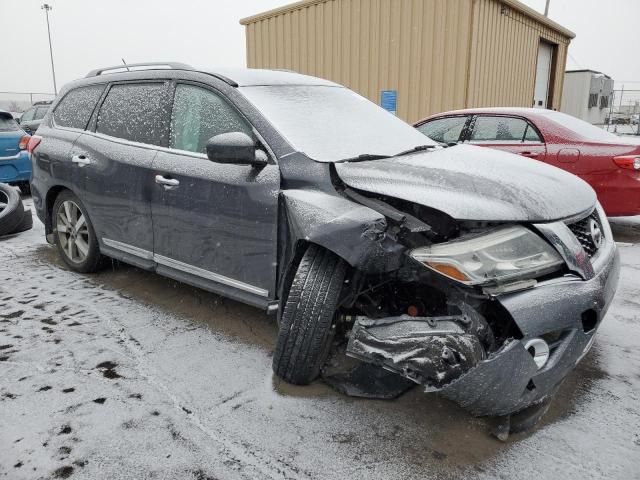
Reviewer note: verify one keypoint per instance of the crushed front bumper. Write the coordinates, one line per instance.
(567, 309)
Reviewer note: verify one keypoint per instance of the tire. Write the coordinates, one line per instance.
(66, 209)
(26, 223)
(11, 209)
(307, 317)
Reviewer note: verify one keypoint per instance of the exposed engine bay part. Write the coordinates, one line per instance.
(405, 220)
(354, 378)
(431, 351)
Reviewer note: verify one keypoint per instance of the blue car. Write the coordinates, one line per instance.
(15, 164)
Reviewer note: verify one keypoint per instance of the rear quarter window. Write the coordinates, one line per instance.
(75, 109)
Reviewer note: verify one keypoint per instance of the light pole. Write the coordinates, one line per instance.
(546, 9)
(46, 7)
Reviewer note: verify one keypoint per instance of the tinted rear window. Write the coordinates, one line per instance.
(135, 112)
(8, 124)
(75, 109)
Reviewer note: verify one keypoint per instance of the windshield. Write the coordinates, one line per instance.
(582, 128)
(333, 123)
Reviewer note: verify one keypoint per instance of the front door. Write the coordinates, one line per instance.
(511, 134)
(215, 225)
(116, 163)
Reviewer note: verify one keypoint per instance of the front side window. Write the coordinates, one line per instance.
(28, 115)
(444, 130)
(135, 112)
(40, 113)
(503, 129)
(75, 109)
(199, 114)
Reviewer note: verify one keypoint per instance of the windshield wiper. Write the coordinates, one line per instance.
(364, 157)
(419, 148)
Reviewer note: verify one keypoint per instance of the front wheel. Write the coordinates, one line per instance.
(75, 237)
(307, 317)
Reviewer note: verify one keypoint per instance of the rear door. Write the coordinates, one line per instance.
(216, 226)
(69, 120)
(116, 161)
(511, 134)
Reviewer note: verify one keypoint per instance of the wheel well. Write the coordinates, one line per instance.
(52, 194)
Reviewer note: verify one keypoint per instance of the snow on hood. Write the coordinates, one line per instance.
(475, 183)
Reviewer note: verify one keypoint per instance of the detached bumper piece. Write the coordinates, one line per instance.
(431, 351)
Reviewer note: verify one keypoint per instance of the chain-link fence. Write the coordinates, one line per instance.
(20, 101)
(624, 111)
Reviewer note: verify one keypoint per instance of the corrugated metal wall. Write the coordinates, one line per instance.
(504, 52)
(438, 54)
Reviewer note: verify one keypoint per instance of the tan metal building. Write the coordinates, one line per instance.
(433, 55)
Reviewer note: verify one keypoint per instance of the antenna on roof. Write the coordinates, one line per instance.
(125, 64)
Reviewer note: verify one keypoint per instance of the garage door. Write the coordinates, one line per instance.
(543, 75)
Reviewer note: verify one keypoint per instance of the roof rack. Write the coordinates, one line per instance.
(140, 66)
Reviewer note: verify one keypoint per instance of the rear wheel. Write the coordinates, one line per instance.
(75, 237)
(307, 317)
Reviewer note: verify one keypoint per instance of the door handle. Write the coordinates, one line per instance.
(80, 160)
(167, 183)
(530, 154)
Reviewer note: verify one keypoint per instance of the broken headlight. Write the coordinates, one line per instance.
(504, 254)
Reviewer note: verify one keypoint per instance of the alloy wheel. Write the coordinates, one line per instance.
(73, 231)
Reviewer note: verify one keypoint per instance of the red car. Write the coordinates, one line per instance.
(607, 162)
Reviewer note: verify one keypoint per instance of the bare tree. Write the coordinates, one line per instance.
(15, 106)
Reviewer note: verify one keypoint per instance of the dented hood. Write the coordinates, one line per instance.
(475, 183)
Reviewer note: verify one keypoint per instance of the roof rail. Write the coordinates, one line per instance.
(137, 66)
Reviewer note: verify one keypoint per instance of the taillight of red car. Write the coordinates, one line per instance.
(24, 141)
(629, 162)
(33, 143)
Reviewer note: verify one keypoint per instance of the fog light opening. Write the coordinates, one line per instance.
(589, 320)
(531, 386)
(539, 350)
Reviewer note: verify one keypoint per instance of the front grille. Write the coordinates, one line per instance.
(582, 231)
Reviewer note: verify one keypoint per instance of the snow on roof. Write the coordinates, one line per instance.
(254, 76)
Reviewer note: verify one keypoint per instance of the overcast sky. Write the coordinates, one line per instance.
(91, 33)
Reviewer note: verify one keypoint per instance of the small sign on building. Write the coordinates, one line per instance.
(389, 100)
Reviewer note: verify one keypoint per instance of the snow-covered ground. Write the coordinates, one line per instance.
(127, 375)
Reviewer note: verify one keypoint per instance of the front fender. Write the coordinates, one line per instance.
(354, 232)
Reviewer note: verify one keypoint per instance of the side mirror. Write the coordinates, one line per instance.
(235, 147)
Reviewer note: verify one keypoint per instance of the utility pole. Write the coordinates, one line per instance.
(46, 7)
(546, 8)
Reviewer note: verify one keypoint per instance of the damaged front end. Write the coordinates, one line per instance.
(432, 351)
(490, 316)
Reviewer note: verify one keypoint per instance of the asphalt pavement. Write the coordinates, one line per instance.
(127, 375)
